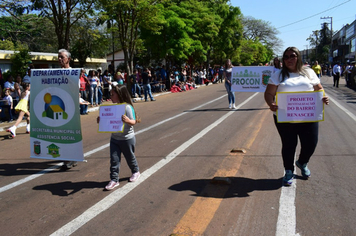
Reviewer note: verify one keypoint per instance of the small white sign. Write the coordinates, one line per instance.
(111, 118)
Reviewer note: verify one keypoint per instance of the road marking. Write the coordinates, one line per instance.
(201, 212)
(114, 197)
(29, 178)
(352, 116)
(38, 174)
(287, 220)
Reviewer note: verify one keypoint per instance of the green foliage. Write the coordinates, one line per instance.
(7, 45)
(63, 14)
(129, 17)
(320, 40)
(30, 30)
(196, 30)
(87, 41)
(253, 53)
(20, 62)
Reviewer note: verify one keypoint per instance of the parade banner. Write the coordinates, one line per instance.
(110, 118)
(55, 117)
(250, 78)
(300, 106)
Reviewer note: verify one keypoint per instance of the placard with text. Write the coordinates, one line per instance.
(250, 78)
(300, 106)
(111, 118)
(55, 120)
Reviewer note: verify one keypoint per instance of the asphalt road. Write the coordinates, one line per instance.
(192, 183)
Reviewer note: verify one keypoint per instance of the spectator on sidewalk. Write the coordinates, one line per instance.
(336, 74)
(27, 77)
(317, 69)
(8, 104)
(146, 80)
(83, 105)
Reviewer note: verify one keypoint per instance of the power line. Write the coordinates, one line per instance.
(314, 15)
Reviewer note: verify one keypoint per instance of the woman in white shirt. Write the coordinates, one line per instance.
(294, 77)
(94, 80)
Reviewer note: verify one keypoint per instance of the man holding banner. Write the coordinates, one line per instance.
(55, 123)
(296, 97)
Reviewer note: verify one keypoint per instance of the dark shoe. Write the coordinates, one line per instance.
(288, 178)
(152, 100)
(68, 165)
(304, 168)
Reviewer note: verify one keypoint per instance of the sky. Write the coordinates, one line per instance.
(296, 20)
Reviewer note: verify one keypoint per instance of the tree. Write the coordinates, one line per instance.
(130, 16)
(253, 52)
(226, 45)
(262, 31)
(63, 14)
(196, 31)
(14, 8)
(176, 39)
(30, 30)
(320, 41)
(87, 41)
(20, 62)
(7, 45)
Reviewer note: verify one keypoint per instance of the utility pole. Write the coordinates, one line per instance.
(331, 35)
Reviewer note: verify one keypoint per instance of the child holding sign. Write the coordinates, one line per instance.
(123, 142)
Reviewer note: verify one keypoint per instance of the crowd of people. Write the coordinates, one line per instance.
(95, 86)
(11, 93)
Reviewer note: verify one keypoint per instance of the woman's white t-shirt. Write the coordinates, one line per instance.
(297, 82)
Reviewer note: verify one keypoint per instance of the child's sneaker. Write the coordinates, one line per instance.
(135, 176)
(27, 128)
(12, 130)
(111, 185)
(233, 106)
(304, 169)
(288, 178)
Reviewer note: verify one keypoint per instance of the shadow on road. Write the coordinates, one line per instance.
(238, 187)
(25, 168)
(68, 188)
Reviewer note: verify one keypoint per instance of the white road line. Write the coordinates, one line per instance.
(36, 175)
(29, 178)
(333, 100)
(287, 221)
(114, 197)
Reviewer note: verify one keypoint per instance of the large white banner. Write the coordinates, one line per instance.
(55, 117)
(250, 78)
(300, 106)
